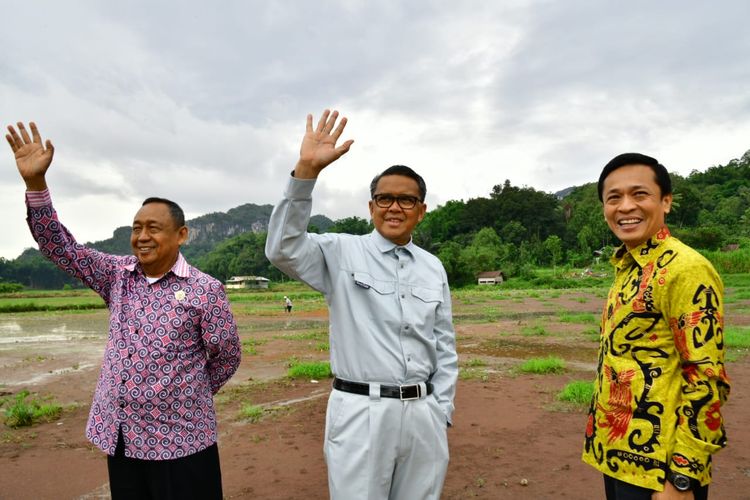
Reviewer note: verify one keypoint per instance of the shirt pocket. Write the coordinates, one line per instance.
(428, 295)
(367, 282)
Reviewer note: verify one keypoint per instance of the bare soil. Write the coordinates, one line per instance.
(511, 437)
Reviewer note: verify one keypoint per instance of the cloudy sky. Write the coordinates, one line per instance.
(205, 102)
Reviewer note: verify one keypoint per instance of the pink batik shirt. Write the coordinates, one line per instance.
(171, 346)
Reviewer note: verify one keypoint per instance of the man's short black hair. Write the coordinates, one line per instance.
(625, 159)
(178, 216)
(406, 172)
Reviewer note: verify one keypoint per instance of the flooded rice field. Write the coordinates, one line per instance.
(510, 438)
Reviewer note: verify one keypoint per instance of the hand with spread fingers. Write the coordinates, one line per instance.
(318, 149)
(32, 157)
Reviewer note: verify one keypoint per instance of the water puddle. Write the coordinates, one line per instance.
(53, 328)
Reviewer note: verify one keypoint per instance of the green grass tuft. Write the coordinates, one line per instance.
(567, 317)
(534, 331)
(737, 337)
(578, 392)
(313, 370)
(251, 412)
(23, 413)
(550, 364)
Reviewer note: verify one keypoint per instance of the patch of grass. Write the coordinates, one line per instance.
(475, 362)
(733, 356)
(582, 300)
(473, 374)
(37, 358)
(737, 337)
(21, 413)
(578, 392)
(534, 331)
(250, 412)
(322, 346)
(311, 370)
(736, 280)
(568, 317)
(312, 335)
(250, 346)
(592, 334)
(550, 364)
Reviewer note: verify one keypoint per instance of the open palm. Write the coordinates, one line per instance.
(318, 147)
(32, 157)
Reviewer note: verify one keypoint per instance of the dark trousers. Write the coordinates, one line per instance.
(196, 476)
(620, 490)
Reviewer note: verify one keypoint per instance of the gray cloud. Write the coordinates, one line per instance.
(205, 103)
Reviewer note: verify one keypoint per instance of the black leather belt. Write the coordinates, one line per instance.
(402, 392)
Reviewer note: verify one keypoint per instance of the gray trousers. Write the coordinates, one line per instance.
(384, 448)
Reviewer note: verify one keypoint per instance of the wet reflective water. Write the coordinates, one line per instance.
(50, 328)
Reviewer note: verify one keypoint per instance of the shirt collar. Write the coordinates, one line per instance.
(180, 268)
(642, 253)
(385, 245)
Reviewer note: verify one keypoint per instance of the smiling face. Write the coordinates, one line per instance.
(155, 239)
(395, 223)
(633, 204)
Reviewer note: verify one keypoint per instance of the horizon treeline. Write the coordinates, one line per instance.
(514, 229)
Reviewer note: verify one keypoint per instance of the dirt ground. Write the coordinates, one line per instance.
(511, 437)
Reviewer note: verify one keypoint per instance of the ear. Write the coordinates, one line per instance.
(182, 235)
(666, 202)
(371, 206)
(422, 211)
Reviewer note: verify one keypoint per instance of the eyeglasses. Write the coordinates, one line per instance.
(404, 201)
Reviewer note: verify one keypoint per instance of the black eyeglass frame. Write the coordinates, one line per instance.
(403, 199)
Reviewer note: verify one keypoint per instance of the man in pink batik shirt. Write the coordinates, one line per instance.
(172, 342)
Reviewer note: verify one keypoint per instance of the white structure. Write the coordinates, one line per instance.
(490, 278)
(247, 282)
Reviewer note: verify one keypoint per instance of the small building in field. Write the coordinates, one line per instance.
(247, 282)
(490, 278)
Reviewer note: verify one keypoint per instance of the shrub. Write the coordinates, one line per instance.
(10, 287)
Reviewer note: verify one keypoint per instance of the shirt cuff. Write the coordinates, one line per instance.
(299, 189)
(38, 198)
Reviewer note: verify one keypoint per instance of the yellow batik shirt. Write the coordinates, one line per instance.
(661, 379)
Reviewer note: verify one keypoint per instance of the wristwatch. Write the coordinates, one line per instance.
(681, 482)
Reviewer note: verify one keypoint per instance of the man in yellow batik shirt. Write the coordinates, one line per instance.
(655, 418)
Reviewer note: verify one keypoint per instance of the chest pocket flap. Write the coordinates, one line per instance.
(366, 281)
(427, 294)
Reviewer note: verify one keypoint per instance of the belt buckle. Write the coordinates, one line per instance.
(408, 387)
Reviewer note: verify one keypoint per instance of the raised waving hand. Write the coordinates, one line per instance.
(318, 149)
(32, 157)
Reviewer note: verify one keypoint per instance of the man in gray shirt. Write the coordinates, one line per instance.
(392, 343)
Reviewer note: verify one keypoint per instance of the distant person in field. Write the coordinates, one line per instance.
(287, 304)
(393, 349)
(655, 418)
(172, 342)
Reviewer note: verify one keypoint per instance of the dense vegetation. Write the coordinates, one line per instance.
(514, 229)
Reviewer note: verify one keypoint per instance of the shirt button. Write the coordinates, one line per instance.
(402, 295)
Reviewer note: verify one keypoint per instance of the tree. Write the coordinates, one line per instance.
(553, 249)
(351, 225)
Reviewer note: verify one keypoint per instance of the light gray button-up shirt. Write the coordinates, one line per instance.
(390, 306)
